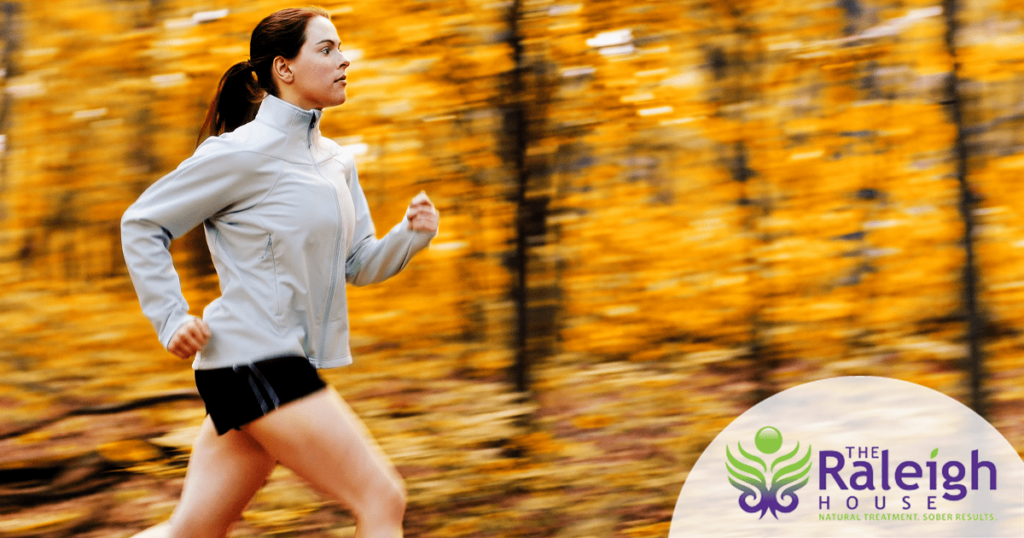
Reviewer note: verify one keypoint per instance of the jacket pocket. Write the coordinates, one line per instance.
(269, 249)
(268, 259)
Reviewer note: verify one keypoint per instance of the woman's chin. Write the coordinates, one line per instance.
(338, 100)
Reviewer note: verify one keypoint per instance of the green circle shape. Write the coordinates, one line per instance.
(768, 440)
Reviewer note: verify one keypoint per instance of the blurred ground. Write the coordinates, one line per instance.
(707, 202)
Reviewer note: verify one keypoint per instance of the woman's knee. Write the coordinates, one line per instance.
(386, 501)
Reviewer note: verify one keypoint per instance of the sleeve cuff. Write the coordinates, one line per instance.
(171, 326)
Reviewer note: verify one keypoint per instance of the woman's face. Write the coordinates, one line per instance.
(318, 71)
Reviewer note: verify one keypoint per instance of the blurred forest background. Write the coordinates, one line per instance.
(655, 213)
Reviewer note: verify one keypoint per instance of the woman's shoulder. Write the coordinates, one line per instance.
(241, 143)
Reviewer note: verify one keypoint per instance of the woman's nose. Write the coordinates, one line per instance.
(344, 60)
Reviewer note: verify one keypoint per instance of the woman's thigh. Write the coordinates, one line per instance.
(224, 472)
(322, 440)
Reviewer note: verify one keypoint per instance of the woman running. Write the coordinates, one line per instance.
(287, 225)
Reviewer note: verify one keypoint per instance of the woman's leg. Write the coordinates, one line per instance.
(322, 440)
(224, 472)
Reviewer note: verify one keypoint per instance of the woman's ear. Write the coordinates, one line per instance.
(282, 71)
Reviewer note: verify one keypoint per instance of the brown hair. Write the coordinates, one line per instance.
(244, 85)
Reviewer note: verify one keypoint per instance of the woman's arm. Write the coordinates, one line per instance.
(199, 188)
(372, 260)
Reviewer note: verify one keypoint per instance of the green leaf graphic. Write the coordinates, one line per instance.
(752, 457)
(786, 475)
(744, 468)
(935, 453)
(786, 457)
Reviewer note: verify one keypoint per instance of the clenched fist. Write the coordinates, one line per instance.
(422, 215)
(189, 338)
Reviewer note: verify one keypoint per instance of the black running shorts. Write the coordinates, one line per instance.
(237, 395)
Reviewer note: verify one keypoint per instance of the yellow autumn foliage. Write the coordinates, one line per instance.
(721, 199)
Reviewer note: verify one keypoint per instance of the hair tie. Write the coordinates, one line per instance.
(248, 64)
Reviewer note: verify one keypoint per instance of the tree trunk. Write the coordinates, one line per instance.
(975, 362)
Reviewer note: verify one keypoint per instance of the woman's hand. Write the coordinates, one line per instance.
(189, 338)
(422, 215)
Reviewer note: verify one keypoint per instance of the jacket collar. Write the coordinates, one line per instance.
(295, 122)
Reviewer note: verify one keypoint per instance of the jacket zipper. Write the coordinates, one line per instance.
(337, 243)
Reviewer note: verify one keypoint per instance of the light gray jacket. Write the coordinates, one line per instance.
(287, 224)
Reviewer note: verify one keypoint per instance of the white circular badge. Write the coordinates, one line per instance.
(855, 456)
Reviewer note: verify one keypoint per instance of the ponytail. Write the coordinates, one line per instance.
(236, 102)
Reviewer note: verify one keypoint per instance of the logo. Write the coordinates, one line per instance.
(864, 456)
(768, 487)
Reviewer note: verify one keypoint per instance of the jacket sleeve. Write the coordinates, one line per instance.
(371, 260)
(200, 187)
